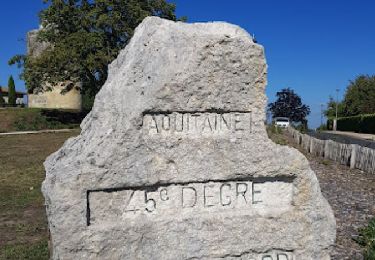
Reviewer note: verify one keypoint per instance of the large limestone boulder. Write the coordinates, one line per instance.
(174, 162)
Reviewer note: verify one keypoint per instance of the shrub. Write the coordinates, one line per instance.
(330, 124)
(30, 123)
(360, 124)
(48, 119)
(368, 124)
(273, 129)
(349, 123)
(366, 239)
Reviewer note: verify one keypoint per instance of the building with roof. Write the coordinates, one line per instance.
(19, 96)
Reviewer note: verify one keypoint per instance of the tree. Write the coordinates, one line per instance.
(330, 112)
(359, 99)
(85, 36)
(11, 92)
(2, 101)
(360, 96)
(289, 104)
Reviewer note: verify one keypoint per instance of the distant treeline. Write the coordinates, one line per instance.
(359, 99)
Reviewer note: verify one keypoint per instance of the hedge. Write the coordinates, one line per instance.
(359, 124)
(329, 124)
(368, 124)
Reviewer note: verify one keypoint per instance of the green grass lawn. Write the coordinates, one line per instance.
(23, 224)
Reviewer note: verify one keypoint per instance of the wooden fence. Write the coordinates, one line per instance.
(352, 155)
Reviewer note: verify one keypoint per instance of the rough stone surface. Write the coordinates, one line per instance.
(174, 162)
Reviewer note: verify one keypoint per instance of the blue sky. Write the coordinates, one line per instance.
(311, 46)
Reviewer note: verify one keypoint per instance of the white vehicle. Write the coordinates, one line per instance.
(282, 122)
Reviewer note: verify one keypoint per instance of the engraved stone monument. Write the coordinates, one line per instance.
(174, 161)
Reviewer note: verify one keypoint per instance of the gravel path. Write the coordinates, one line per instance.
(351, 194)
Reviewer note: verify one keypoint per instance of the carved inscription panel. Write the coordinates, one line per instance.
(198, 124)
(256, 197)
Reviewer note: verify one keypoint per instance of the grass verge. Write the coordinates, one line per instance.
(276, 134)
(366, 239)
(23, 224)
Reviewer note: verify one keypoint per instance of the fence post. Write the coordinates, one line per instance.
(353, 156)
(326, 149)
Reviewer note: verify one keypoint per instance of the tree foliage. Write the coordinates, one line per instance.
(360, 96)
(359, 99)
(330, 112)
(11, 92)
(289, 104)
(85, 36)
